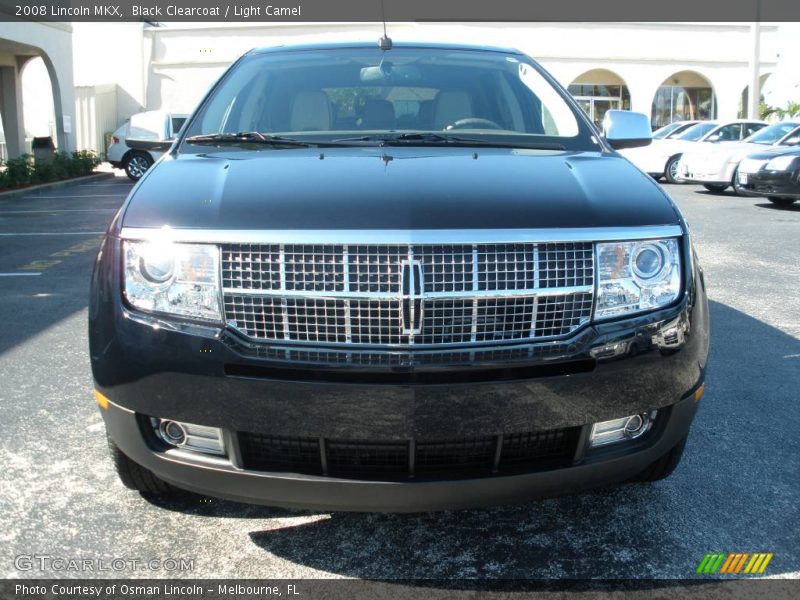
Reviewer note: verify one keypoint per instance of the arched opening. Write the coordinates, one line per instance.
(744, 102)
(38, 107)
(683, 96)
(598, 91)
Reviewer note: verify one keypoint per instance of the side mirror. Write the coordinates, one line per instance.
(792, 141)
(149, 145)
(626, 129)
(713, 138)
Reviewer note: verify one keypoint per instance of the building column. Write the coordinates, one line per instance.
(729, 94)
(11, 111)
(642, 95)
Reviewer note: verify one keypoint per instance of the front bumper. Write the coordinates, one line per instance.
(698, 172)
(217, 477)
(783, 184)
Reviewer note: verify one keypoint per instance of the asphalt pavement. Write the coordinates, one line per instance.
(737, 489)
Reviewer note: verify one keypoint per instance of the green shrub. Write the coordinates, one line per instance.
(22, 171)
(42, 173)
(18, 171)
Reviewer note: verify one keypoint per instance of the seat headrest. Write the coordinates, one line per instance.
(378, 114)
(451, 106)
(311, 111)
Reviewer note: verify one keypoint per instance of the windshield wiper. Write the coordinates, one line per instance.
(423, 139)
(249, 137)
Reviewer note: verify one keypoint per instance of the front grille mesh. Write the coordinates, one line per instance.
(410, 459)
(355, 294)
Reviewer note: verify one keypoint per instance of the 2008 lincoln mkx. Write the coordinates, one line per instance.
(396, 278)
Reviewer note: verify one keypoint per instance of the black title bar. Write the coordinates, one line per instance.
(398, 10)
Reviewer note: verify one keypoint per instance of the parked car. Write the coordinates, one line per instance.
(662, 157)
(151, 125)
(396, 279)
(774, 174)
(715, 166)
(672, 130)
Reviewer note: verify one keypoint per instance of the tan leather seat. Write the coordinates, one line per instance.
(311, 111)
(451, 106)
(378, 114)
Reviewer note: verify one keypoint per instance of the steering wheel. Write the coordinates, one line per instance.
(473, 123)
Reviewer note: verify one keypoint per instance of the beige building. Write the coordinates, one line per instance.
(20, 44)
(669, 71)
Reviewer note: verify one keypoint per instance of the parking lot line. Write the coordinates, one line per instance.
(42, 264)
(19, 274)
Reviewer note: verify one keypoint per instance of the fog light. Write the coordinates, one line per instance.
(172, 432)
(189, 436)
(619, 430)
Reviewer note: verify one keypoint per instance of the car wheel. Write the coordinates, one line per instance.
(716, 188)
(136, 477)
(671, 170)
(664, 466)
(137, 164)
(781, 201)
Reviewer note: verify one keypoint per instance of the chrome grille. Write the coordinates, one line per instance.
(366, 295)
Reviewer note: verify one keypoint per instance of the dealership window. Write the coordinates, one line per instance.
(598, 91)
(685, 96)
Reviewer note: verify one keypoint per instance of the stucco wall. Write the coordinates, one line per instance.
(179, 61)
(53, 42)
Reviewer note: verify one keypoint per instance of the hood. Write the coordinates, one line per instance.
(706, 153)
(722, 150)
(774, 151)
(396, 188)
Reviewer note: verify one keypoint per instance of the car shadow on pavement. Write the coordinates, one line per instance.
(731, 194)
(735, 491)
(791, 208)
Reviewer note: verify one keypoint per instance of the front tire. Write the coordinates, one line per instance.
(135, 477)
(664, 466)
(715, 188)
(137, 164)
(781, 201)
(671, 170)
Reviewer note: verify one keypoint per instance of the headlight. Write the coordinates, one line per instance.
(179, 279)
(636, 277)
(780, 163)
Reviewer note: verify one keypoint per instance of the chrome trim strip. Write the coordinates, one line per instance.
(284, 305)
(473, 335)
(401, 236)
(564, 291)
(348, 326)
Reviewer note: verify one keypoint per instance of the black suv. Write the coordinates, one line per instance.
(400, 278)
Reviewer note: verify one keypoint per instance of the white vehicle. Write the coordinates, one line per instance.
(660, 159)
(152, 125)
(672, 130)
(716, 167)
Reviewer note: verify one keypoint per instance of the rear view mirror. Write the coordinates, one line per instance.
(388, 73)
(150, 145)
(626, 129)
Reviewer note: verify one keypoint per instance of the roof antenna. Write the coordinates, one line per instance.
(385, 43)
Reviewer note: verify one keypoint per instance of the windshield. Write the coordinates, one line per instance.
(773, 133)
(695, 132)
(665, 130)
(341, 94)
